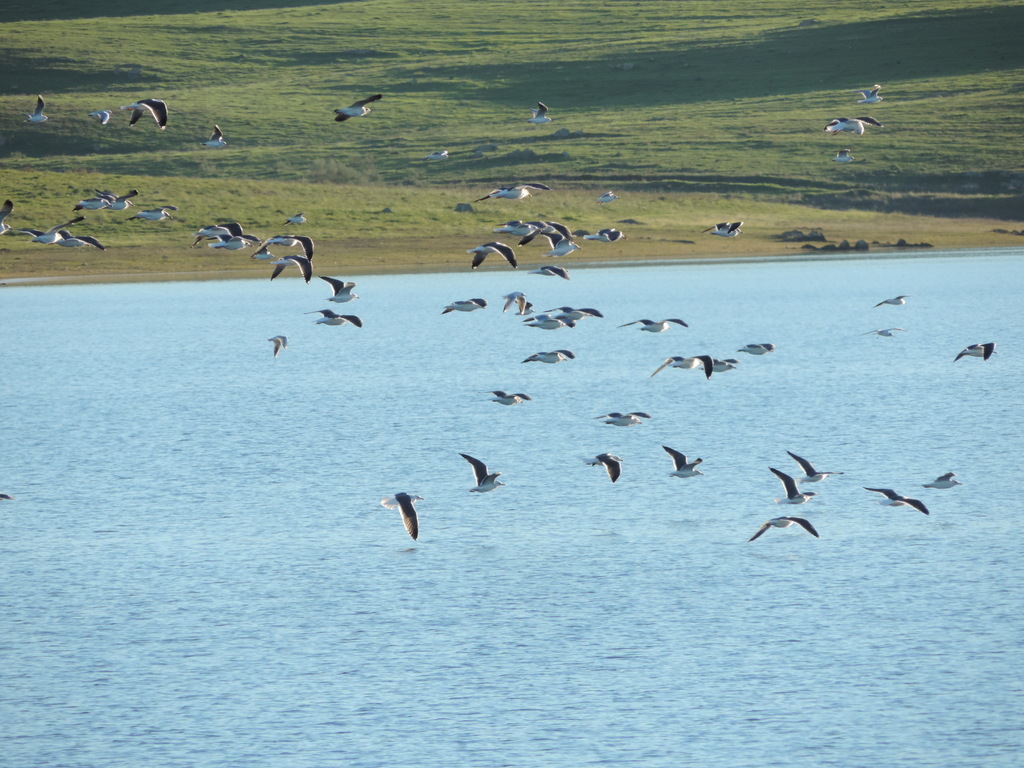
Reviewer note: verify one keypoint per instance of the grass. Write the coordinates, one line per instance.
(692, 111)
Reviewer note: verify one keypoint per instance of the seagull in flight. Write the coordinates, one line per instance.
(216, 140)
(157, 108)
(656, 326)
(854, 125)
(793, 494)
(52, 235)
(406, 504)
(279, 342)
(298, 218)
(330, 317)
(607, 197)
(155, 214)
(896, 301)
(481, 252)
(683, 466)
(551, 271)
(617, 419)
(870, 96)
(513, 191)
(304, 264)
(5, 211)
(703, 361)
(467, 305)
(887, 332)
(984, 351)
(726, 229)
(893, 499)
(540, 114)
(943, 481)
(103, 115)
(37, 116)
(551, 358)
(485, 480)
(342, 289)
(518, 298)
(811, 475)
(785, 522)
(843, 156)
(358, 109)
(441, 154)
(612, 464)
(609, 235)
(506, 398)
(757, 349)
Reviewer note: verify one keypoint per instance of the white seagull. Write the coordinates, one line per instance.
(279, 342)
(481, 252)
(406, 504)
(893, 499)
(107, 200)
(540, 114)
(298, 218)
(609, 235)
(238, 242)
(793, 494)
(103, 115)
(52, 235)
(551, 271)
(607, 197)
(811, 475)
(155, 214)
(757, 349)
(575, 314)
(556, 356)
(216, 140)
(518, 298)
(984, 351)
(330, 317)
(683, 466)
(342, 290)
(547, 228)
(485, 480)
(617, 419)
(726, 229)
(214, 231)
(358, 109)
(843, 156)
(943, 481)
(518, 228)
(37, 115)
(612, 464)
(887, 332)
(698, 361)
(513, 191)
(78, 241)
(466, 305)
(155, 107)
(304, 264)
(896, 301)
(441, 154)
(656, 326)
(508, 398)
(870, 96)
(548, 322)
(560, 245)
(785, 522)
(854, 125)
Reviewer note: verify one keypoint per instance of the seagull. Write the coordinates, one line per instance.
(279, 342)
(513, 191)
(540, 114)
(481, 252)
(155, 214)
(103, 115)
(943, 481)
(518, 228)
(406, 504)
(705, 361)
(506, 398)
(571, 313)
(523, 307)
(726, 229)
(551, 271)
(93, 203)
(854, 125)
(358, 109)
(887, 332)
(216, 139)
(37, 115)
(547, 228)
(298, 218)
(617, 419)
(467, 305)
(329, 317)
(5, 211)
(304, 264)
(78, 241)
(441, 154)
(560, 245)
(606, 236)
(729, 364)
(155, 107)
(893, 499)
(214, 231)
(871, 96)
(263, 254)
(793, 494)
(52, 235)
(811, 475)
(984, 351)
(118, 202)
(897, 301)
(550, 322)
(684, 467)
(342, 290)
(757, 349)
(612, 464)
(656, 326)
(785, 522)
(843, 156)
(238, 242)
(550, 357)
(607, 197)
(306, 242)
(485, 481)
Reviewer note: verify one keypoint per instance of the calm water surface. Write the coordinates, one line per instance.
(197, 571)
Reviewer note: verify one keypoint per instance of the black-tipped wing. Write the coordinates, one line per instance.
(805, 465)
(708, 363)
(760, 531)
(887, 492)
(787, 482)
(679, 459)
(479, 468)
(805, 524)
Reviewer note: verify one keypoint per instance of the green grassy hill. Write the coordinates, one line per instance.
(660, 99)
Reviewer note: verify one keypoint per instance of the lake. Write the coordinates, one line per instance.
(197, 571)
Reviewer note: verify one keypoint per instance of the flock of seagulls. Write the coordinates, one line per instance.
(561, 242)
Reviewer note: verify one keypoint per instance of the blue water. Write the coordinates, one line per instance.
(196, 570)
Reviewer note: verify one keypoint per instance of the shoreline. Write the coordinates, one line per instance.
(451, 266)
